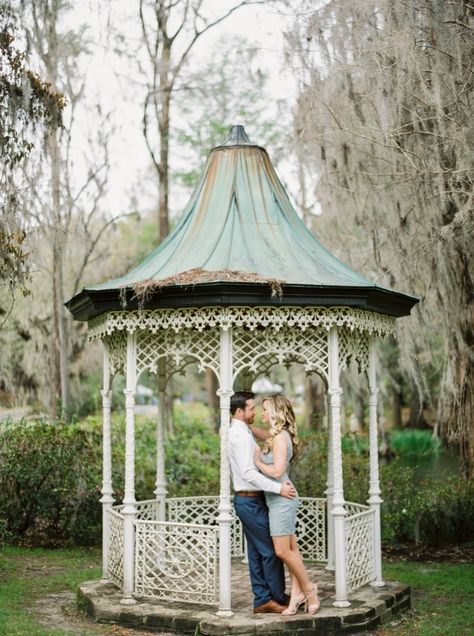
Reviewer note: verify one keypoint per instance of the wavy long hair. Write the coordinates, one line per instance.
(282, 417)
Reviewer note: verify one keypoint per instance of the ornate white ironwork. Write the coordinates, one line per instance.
(257, 348)
(249, 317)
(117, 350)
(176, 562)
(179, 349)
(115, 556)
(353, 345)
(359, 529)
(311, 528)
(205, 511)
(148, 510)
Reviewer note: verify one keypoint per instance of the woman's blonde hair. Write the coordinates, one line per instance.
(282, 417)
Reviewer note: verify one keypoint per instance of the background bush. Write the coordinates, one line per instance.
(51, 474)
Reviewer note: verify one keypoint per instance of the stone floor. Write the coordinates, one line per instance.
(369, 608)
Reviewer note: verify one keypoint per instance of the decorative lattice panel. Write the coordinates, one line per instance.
(353, 345)
(311, 528)
(176, 562)
(179, 349)
(115, 562)
(359, 533)
(204, 510)
(117, 349)
(148, 510)
(257, 349)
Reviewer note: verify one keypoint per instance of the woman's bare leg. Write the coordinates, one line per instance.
(287, 549)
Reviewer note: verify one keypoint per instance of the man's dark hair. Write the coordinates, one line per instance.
(239, 400)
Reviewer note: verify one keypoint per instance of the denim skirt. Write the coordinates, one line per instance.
(281, 514)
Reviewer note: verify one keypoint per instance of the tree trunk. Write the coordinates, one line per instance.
(60, 387)
(396, 407)
(310, 399)
(456, 404)
(164, 126)
(213, 398)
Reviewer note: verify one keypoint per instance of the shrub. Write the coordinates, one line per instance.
(51, 474)
(413, 441)
(49, 486)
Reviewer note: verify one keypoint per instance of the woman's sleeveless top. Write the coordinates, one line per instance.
(267, 458)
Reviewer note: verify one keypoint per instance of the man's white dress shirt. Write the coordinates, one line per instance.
(245, 475)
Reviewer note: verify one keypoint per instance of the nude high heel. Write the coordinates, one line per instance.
(312, 608)
(292, 609)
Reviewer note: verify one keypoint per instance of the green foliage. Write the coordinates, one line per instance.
(49, 486)
(50, 473)
(50, 476)
(414, 441)
(433, 513)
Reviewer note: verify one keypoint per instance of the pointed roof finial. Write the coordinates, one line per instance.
(237, 137)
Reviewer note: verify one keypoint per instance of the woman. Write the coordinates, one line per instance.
(279, 449)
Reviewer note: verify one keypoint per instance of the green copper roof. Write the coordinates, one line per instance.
(239, 231)
(240, 218)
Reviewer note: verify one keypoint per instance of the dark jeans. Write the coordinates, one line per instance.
(266, 569)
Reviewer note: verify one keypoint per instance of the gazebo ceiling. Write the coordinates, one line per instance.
(239, 242)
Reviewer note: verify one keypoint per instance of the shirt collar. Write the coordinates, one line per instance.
(240, 424)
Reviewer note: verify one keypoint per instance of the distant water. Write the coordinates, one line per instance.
(432, 467)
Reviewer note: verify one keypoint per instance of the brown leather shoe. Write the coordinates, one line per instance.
(270, 607)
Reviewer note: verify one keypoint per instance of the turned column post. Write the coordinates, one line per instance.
(225, 511)
(106, 499)
(374, 489)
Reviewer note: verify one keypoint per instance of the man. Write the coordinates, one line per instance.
(266, 569)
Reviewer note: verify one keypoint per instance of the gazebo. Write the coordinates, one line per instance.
(239, 285)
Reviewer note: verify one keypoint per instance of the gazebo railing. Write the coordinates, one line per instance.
(359, 545)
(115, 553)
(311, 528)
(204, 510)
(176, 561)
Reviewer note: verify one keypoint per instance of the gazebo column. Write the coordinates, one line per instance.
(160, 489)
(329, 497)
(338, 511)
(129, 501)
(374, 490)
(225, 511)
(106, 499)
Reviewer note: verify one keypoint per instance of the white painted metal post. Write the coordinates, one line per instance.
(374, 490)
(160, 489)
(129, 509)
(106, 499)
(225, 517)
(329, 496)
(338, 511)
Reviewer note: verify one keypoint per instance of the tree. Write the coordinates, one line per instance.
(170, 30)
(29, 106)
(64, 209)
(386, 113)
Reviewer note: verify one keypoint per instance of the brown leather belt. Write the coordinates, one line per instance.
(248, 493)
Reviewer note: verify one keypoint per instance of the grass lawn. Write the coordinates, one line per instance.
(442, 599)
(443, 595)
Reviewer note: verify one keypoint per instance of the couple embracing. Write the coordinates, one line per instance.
(266, 502)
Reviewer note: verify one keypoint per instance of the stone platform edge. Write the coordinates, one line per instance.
(369, 609)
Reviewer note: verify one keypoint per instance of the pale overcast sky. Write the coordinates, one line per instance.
(107, 83)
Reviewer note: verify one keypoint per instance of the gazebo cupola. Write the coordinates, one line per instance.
(239, 285)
